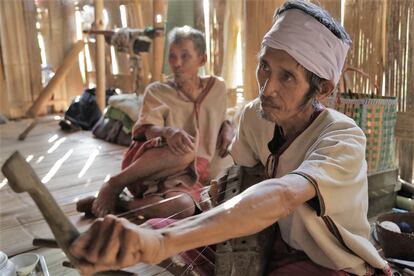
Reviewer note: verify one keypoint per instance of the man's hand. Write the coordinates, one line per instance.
(179, 141)
(113, 243)
(224, 138)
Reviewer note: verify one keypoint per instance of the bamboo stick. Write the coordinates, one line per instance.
(100, 56)
(158, 42)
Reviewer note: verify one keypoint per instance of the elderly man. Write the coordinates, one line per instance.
(181, 124)
(316, 189)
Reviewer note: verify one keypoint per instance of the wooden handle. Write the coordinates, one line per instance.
(22, 178)
(49, 243)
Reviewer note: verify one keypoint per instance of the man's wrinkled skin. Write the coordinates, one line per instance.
(282, 83)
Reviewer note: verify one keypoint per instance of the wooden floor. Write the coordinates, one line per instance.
(72, 166)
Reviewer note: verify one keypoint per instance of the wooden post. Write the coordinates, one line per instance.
(69, 60)
(158, 41)
(144, 56)
(100, 56)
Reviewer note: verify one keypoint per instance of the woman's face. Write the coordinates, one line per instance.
(283, 86)
(184, 60)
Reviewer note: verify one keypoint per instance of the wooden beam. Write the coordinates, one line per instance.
(100, 56)
(69, 60)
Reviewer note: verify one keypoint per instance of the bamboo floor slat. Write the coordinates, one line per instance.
(72, 166)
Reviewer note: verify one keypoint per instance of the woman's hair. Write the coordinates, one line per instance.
(325, 19)
(178, 34)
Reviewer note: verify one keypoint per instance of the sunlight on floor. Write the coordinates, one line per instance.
(29, 158)
(40, 159)
(53, 138)
(56, 145)
(3, 183)
(56, 166)
(89, 162)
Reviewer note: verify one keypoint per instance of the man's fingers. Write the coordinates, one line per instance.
(173, 149)
(128, 255)
(110, 250)
(79, 246)
(101, 239)
(87, 268)
(188, 142)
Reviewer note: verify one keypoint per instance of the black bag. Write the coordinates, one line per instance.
(84, 112)
(111, 131)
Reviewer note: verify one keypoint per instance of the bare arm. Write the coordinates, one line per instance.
(253, 210)
(224, 138)
(178, 140)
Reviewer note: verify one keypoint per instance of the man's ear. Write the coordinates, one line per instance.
(327, 87)
(203, 59)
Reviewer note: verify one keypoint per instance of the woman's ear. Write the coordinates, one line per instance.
(327, 87)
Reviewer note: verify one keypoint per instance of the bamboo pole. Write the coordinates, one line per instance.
(69, 60)
(100, 56)
(144, 56)
(158, 41)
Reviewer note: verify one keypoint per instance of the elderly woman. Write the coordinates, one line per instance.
(176, 137)
(316, 189)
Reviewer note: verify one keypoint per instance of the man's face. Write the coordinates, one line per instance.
(283, 86)
(184, 60)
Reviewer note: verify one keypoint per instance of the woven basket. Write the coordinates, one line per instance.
(376, 116)
(396, 245)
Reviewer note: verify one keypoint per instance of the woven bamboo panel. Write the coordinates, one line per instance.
(15, 59)
(399, 78)
(367, 36)
(400, 52)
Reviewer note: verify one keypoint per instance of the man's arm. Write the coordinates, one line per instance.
(255, 209)
(178, 140)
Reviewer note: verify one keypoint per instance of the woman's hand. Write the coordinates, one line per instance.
(112, 243)
(224, 138)
(179, 141)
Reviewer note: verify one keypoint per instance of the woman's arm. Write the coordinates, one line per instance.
(255, 209)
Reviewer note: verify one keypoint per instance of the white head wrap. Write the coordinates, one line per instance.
(313, 45)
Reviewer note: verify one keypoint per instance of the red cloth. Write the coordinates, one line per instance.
(137, 149)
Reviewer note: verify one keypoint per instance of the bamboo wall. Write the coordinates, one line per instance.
(16, 62)
(255, 30)
(383, 46)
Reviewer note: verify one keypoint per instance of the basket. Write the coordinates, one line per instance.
(376, 116)
(396, 245)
